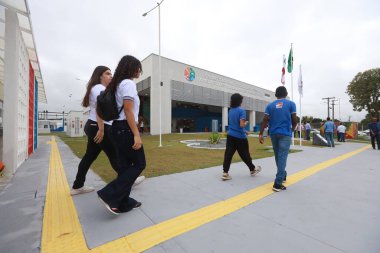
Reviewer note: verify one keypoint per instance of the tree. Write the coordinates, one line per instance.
(364, 91)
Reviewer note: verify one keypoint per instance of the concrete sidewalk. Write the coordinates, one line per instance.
(333, 210)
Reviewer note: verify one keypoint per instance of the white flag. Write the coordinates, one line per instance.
(283, 70)
(300, 83)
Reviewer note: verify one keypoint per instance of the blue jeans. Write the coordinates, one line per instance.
(330, 139)
(281, 145)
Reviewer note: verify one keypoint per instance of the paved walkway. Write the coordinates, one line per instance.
(331, 205)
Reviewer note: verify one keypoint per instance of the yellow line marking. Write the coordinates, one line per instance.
(66, 234)
(61, 231)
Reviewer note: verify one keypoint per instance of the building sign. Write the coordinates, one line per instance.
(189, 74)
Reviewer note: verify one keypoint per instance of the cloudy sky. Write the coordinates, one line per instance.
(241, 39)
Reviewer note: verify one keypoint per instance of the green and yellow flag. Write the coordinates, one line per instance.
(290, 61)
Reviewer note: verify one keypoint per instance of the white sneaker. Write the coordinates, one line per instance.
(226, 176)
(256, 171)
(139, 180)
(83, 189)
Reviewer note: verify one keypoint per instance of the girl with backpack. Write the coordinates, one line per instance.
(97, 131)
(126, 137)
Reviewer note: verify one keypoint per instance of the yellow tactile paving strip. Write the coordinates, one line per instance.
(62, 231)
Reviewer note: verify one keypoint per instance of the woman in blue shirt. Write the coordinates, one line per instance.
(237, 138)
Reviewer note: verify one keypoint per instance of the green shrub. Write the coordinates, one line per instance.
(214, 138)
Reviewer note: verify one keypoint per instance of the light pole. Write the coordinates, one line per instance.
(159, 61)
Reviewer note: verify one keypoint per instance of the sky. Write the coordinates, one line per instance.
(241, 39)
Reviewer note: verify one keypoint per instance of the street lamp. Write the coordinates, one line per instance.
(159, 60)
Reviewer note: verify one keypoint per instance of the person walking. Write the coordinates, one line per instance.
(374, 132)
(237, 138)
(341, 129)
(126, 137)
(329, 128)
(98, 132)
(282, 118)
(95, 129)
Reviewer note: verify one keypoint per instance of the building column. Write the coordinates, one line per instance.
(155, 101)
(252, 120)
(10, 122)
(224, 118)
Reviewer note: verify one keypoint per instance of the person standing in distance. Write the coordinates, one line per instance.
(329, 132)
(341, 129)
(237, 138)
(374, 132)
(308, 129)
(282, 118)
(126, 137)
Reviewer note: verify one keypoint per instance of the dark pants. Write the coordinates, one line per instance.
(377, 138)
(93, 150)
(241, 145)
(130, 163)
(341, 137)
(308, 134)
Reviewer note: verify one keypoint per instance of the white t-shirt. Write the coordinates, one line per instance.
(341, 129)
(95, 91)
(127, 91)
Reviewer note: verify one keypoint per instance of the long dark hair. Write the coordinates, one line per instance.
(236, 100)
(126, 69)
(94, 80)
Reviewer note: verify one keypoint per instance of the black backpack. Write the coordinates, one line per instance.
(106, 106)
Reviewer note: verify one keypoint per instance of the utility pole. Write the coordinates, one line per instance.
(333, 108)
(328, 105)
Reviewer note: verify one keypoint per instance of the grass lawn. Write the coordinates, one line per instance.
(173, 157)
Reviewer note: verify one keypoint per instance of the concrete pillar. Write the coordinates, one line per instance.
(224, 118)
(166, 102)
(252, 120)
(11, 57)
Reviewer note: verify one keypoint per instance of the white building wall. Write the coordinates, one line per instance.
(16, 80)
(23, 103)
(75, 124)
(173, 70)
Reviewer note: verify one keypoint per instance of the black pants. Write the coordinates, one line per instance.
(308, 134)
(93, 150)
(377, 138)
(130, 163)
(241, 145)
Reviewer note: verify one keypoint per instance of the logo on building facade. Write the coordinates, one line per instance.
(189, 74)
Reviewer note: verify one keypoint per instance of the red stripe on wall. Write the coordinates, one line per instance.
(31, 109)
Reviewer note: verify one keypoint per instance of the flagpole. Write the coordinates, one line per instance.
(291, 81)
(300, 111)
(291, 73)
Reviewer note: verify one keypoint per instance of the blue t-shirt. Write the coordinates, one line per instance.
(280, 116)
(234, 117)
(329, 127)
(374, 126)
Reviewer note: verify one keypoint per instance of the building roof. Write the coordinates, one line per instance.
(25, 23)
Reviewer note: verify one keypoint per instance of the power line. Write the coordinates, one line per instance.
(328, 104)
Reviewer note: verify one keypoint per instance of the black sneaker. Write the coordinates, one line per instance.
(278, 188)
(113, 210)
(284, 180)
(137, 205)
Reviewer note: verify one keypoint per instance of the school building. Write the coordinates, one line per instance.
(193, 98)
(21, 86)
